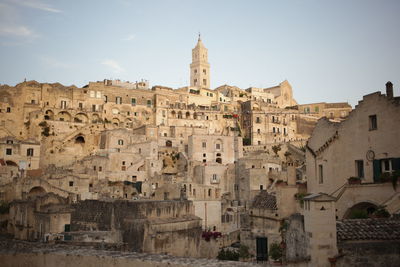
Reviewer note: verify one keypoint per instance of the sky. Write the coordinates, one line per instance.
(329, 51)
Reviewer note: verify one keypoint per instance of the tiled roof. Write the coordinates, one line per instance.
(368, 229)
(265, 201)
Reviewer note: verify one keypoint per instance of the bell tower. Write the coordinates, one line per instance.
(200, 68)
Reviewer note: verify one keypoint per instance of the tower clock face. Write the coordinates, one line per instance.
(370, 155)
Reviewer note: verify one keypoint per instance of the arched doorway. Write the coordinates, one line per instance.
(360, 210)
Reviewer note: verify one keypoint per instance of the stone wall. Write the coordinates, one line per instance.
(145, 226)
(369, 254)
(27, 254)
(295, 239)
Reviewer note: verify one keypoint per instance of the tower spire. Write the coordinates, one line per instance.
(200, 68)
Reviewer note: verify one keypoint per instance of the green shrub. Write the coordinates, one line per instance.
(358, 214)
(275, 251)
(228, 255)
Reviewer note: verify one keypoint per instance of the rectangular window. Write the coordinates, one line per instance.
(360, 168)
(105, 99)
(320, 174)
(98, 94)
(133, 101)
(217, 146)
(63, 104)
(29, 152)
(149, 103)
(118, 100)
(92, 94)
(373, 123)
(71, 183)
(258, 120)
(204, 144)
(80, 105)
(8, 151)
(204, 82)
(100, 168)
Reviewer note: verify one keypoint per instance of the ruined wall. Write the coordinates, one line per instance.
(371, 254)
(146, 226)
(295, 239)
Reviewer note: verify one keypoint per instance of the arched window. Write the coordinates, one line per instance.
(120, 142)
(168, 143)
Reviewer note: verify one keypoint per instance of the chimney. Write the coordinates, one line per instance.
(389, 90)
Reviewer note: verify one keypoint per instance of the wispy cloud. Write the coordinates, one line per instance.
(17, 30)
(130, 37)
(36, 4)
(114, 65)
(11, 26)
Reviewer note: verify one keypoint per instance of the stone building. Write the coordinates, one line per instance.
(358, 150)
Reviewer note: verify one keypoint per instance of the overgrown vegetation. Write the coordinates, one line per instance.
(45, 128)
(232, 255)
(276, 149)
(358, 214)
(276, 251)
(228, 255)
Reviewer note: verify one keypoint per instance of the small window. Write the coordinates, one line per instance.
(71, 183)
(258, 120)
(149, 103)
(204, 82)
(118, 100)
(373, 123)
(100, 168)
(360, 168)
(8, 151)
(120, 142)
(133, 101)
(217, 146)
(320, 174)
(261, 187)
(204, 144)
(29, 152)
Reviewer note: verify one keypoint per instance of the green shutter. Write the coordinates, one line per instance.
(396, 164)
(377, 170)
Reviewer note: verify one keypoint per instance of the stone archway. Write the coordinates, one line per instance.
(36, 191)
(360, 210)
